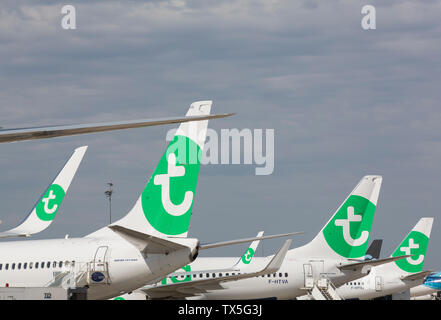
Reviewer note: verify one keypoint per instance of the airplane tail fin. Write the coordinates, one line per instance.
(165, 205)
(249, 253)
(49, 203)
(346, 234)
(415, 244)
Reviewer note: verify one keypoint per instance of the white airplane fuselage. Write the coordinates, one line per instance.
(376, 284)
(287, 283)
(126, 267)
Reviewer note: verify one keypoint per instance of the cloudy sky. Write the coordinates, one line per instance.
(343, 102)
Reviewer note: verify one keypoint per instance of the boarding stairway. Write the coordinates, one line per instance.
(81, 274)
(320, 289)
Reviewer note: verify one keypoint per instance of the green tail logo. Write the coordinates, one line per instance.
(167, 199)
(50, 203)
(248, 256)
(415, 244)
(348, 231)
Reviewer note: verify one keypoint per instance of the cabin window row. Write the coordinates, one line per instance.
(213, 275)
(36, 265)
(274, 275)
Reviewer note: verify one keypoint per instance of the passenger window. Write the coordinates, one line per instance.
(268, 275)
(214, 275)
(31, 264)
(280, 275)
(208, 275)
(286, 275)
(220, 274)
(7, 266)
(13, 266)
(274, 275)
(42, 265)
(1, 266)
(60, 264)
(19, 266)
(54, 264)
(48, 265)
(25, 265)
(227, 274)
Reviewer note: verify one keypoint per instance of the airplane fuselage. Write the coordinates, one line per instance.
(376, 284)
(108, 266)
(287, 283)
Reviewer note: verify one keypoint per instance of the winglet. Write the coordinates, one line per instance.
(277, 259)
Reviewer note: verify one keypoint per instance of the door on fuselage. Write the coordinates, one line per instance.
(312, 271)
(378, 283)
(99, 272)
(308, 275)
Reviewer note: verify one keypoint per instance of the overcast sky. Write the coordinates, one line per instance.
(344, 102)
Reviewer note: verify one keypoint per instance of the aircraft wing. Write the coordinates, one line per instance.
(32, 133)
(355, 266)
(197, 286)
(49, 203)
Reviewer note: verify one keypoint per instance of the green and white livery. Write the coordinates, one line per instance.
(165, 205)
(399, 276)
(346, 234)
(335, 254)
(49, 204)
(249, 253)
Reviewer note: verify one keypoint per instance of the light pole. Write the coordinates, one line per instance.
(108, 194)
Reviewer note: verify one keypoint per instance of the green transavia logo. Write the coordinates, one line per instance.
(348, 231)
(416, 245)
(178, 279)
(50, 203)
(167, 199)
(246, 258)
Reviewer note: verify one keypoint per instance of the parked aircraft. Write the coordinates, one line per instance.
(394, 278)
(148, 243)
(429, 290)
(240, 270)
(337, 254)
(49, 203)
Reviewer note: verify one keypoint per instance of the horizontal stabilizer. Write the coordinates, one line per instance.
(417, 276)
(147, 243)
(32, 133)
(233, 242)
(198, 286)
(359, 265)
